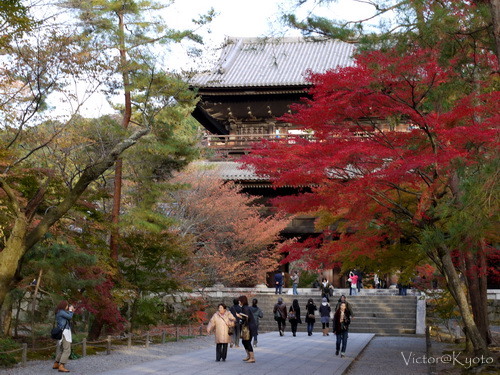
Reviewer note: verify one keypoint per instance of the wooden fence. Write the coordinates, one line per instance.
(142, 339)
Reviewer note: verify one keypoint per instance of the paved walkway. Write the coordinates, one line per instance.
(275, 355)
(391, 355)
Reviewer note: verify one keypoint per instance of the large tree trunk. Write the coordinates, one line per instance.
(495, 18)
(10, 256)
(6, 316)
(476, 276)
(20, 240)
(127, 115)
(457, 290)
(95, 329)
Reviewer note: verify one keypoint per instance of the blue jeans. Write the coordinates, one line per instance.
(342, 338)
(295, 289)
(310, 326)
(354, 291)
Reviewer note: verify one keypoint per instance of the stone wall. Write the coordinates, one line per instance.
(494, 311)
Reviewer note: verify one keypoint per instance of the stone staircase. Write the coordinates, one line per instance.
(379, 314)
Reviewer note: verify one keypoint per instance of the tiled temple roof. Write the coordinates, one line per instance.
(254, 62)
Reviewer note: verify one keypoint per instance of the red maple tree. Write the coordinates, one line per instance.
(389, 143)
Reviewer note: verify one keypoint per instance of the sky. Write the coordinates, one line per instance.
(254, 18)
(235, 18)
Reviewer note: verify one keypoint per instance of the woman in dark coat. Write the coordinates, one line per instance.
(310, 319)
(247, 319)
(341, 321)
(294, 316)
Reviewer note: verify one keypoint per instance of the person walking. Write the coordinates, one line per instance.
(359, 283)
(294, 316)
(278, 282)
(248, 328)
(310, 317)
(295, 282)
(348, 305)
(353, 279)
(280, 315)
(235, 310)
(221, 322)
(326, 289)
(257, 314)
(376, 281)
(63, 315)
(341, 321)
(324, 312)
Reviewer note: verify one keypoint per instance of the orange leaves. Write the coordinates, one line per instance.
(232, 242)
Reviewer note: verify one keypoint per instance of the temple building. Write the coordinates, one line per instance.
(254, 82)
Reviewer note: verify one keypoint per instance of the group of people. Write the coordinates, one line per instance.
(229, 325)
(355, 283)
(341, 318)
(279, 281)
(242, 321)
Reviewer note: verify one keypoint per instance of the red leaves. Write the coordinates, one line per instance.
(387, 134)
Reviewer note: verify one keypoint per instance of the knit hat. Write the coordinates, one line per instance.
(324, 299)
(280, 299)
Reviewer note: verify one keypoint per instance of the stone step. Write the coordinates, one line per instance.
(373, 313)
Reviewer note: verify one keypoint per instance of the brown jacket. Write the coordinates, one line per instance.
(220, 324)
(282, 309)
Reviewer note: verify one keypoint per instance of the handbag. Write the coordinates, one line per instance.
(311, 316)
(245, 332)
(56, 332)
(230, 327)
(291, 315)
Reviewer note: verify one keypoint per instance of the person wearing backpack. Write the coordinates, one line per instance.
(64, 314)
(294, 316)
(280, 315)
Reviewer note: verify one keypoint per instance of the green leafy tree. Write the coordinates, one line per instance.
(48, 165)
(14, 20)
(133, 30)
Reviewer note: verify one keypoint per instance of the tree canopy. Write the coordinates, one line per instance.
(397, 138)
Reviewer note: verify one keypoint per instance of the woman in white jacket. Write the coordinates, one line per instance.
(221, 322)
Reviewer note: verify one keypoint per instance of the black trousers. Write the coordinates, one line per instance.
(248, 345)
(220, 352)
(281, 324)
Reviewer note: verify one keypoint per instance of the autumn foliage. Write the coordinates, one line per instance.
(389, 135)
(232, 239)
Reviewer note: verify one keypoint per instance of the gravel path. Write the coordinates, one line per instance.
(119, 358)
(384, 355)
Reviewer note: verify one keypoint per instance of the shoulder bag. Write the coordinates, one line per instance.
(56, 332)
(245, 332)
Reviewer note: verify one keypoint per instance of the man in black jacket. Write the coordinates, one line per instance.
(236, 309)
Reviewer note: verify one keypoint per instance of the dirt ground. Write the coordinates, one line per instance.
(450, 358)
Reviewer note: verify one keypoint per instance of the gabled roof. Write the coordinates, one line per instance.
(255, 62)
(229, 170)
